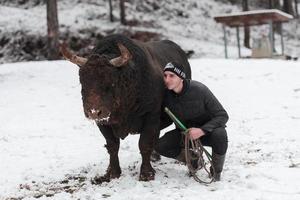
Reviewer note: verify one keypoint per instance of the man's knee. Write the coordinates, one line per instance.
(161, 146)
(164, 148)
(219, 134)
(219, 141)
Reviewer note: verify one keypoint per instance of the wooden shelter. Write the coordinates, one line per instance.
(253, 18)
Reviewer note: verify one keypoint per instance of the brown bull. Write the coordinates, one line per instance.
(122, 90)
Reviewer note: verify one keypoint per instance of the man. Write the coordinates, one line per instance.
(199, 110)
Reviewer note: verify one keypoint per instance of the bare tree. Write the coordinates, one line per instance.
(288, 6)
(296, 9)
(276, 4)
(246, 28)
(271, 4)
(122, 12)
(111, 16)
(53, 32)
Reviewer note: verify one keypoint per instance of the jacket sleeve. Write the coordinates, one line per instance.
(215, 110)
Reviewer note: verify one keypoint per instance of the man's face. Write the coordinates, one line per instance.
(172, 81)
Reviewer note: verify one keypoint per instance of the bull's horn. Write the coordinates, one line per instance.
(72, 57)
(123, 58)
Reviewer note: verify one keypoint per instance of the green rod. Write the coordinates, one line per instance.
(175, 119)
(180, 125)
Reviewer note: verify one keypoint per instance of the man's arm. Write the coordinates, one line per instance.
(218, 115)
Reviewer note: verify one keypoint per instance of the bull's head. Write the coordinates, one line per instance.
(98, 78)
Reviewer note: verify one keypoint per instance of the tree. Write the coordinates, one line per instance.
(276, 4)
(288, 6)
(53, 32)
(122, 12)
(271, 4)
(296, 9)
(246, 28)
(111, 16)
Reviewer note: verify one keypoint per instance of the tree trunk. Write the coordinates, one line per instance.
(276, 4)
(288, 6)
(271, 4)
(111, 16)
(122, 12)
(53, 32)
(296, 9)
(246, 28)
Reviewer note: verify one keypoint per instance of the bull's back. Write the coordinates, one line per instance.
(165, 51)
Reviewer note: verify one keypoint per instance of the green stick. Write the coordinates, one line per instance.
(181, 126)
(175, 120)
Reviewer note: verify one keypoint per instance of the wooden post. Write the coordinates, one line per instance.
(238, 40)
(246, 28)
(271, 37)
(225, 41)
(281, 38)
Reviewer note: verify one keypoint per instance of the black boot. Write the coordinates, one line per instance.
(218, 163)
(181, 156)
(194, 158)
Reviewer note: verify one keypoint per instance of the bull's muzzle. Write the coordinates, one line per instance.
(99, 115)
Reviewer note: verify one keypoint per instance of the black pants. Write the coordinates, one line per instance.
(171, 144)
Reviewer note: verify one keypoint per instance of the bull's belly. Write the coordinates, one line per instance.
(134, 133)
(123, 132)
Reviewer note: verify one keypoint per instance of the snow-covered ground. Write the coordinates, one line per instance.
(48, 147)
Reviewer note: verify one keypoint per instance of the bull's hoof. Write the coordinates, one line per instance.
(106, 178)
(100, 179)
(110, 174)
(147, 175)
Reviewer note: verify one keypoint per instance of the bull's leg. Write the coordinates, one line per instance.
(148, 138)
(112, 146)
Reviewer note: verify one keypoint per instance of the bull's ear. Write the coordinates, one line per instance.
(80, 61)
(123, 58)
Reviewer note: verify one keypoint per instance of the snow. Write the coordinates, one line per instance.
(255, 12)
(48, 147)
(45, 138)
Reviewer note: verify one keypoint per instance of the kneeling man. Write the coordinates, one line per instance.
(199, 110)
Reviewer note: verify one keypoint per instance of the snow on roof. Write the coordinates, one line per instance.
(254, 12)
(254, 17)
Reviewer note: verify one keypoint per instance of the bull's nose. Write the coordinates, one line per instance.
(94, 113)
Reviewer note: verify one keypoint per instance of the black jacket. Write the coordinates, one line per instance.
(195, 106)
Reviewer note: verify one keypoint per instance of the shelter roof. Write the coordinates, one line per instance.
(254, 17)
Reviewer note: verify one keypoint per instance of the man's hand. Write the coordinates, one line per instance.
(196, 133)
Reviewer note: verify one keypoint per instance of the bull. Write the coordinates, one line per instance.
(122, 91)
